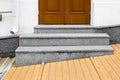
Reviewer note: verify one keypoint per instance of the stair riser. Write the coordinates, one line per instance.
(64, 42)
(64, 30)
(30, 58)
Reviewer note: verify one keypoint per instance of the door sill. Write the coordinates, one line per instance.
(65, 26)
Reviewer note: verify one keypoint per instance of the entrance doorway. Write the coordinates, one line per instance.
(64, 11)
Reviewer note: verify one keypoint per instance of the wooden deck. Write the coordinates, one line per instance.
(94, 68)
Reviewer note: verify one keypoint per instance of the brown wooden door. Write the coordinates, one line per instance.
(64, 12)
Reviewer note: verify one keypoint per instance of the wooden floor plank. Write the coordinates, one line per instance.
(109, 68)
(66, 74)
(45, 75)
(16, 73)
(117, 56)
(98, 68)
(101, 69)
(59, 73)
(10, 73)
(40, 72)
(73, 74)
(117, 50)
(116, 60)
(30, 72)
(79, 72)
(113, 46)
(22, 73)
(52, 72)
(36, 72)
(117, 44)
(113, 64)
(85, 70)
(92, 70)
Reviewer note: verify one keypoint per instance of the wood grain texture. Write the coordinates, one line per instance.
(64, 11)
(33, 72)
(77, 12)
(51, 11)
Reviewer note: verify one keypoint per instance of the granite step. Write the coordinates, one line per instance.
(65, 29)
(35, 55)
(64, 39)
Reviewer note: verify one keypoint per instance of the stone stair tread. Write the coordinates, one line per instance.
(66, 35)
(65, 49)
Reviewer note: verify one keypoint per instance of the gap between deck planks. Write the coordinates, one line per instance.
(94, 68)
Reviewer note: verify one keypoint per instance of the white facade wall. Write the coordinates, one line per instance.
(106, 12)
(7, 21)
(103, 13)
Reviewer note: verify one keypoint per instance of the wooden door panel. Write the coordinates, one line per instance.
(76, 6)
(77, 11)
(51, 12)
(54, 7)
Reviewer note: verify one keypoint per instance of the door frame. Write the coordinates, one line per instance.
(91, 14)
